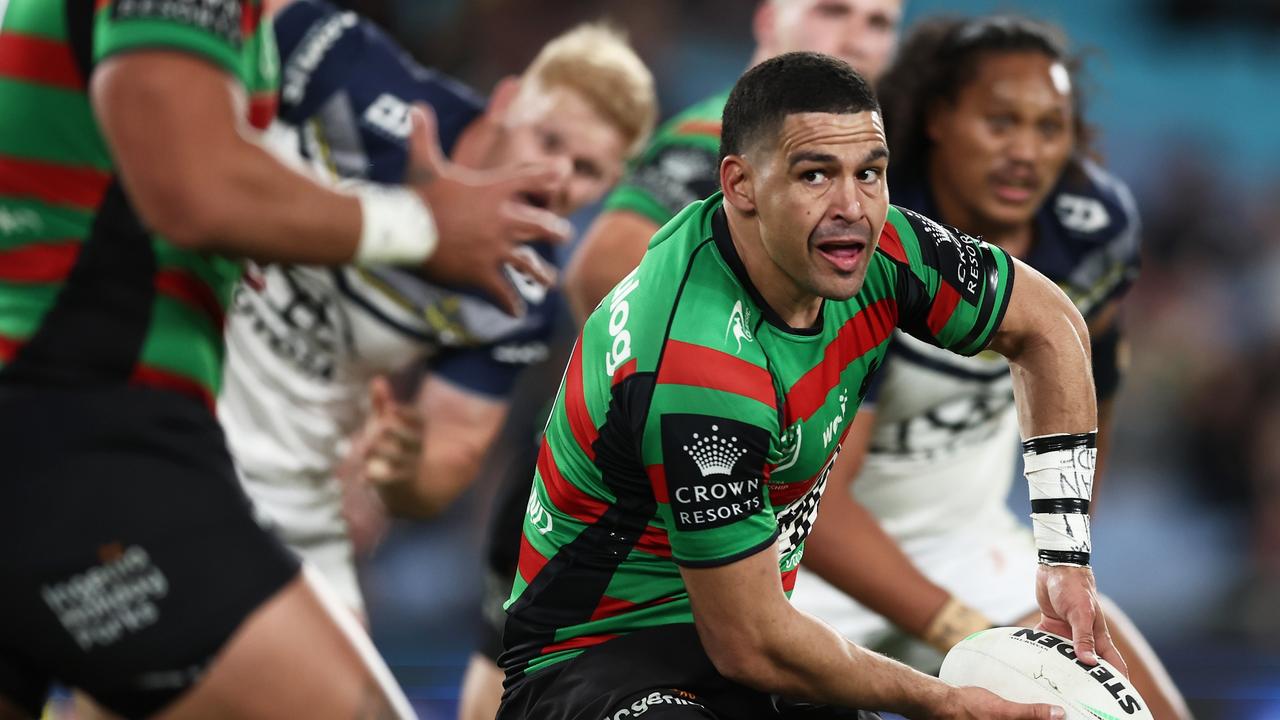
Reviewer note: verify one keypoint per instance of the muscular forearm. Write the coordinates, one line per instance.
(195, 175)
(804, 658)
(849, 549)
(295, 219)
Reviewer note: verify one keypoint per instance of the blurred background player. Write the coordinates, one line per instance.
(126, 144)
(305, 342)
(679, 166)
(987, 134)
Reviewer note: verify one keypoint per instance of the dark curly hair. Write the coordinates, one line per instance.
(939, 57)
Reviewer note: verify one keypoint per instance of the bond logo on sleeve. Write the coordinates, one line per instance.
(714, 469)
(220, 17)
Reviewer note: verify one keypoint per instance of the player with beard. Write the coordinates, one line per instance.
(702, 409)
(305, 342)
(678, 167)
(987, 133)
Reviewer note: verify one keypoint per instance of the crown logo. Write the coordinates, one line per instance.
(714, 455)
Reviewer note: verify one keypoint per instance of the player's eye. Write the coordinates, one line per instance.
(813, 177)
(1051, 128)
(552, 142)
(870, 175)
(1000, 122)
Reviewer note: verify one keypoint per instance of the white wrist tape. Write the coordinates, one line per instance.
(1059, 470)
(396, 227)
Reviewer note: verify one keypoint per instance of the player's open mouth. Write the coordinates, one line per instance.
(843, 254)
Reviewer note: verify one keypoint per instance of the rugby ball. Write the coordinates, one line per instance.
(1033, 666)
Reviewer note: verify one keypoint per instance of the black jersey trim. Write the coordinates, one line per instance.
(724, 243)
(1004, 304)
(988, 300)
(730, 559)
(79, 17)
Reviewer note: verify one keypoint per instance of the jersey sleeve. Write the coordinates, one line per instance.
(215, 30)
(493, 369)
(707, 440)
(953, 289)
(350, 87)
(669, 175)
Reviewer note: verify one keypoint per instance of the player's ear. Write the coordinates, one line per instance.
(503, 96)
(735, 180)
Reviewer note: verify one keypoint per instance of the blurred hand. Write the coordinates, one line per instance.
(390, 446)
(972, 703)
(482, 217)
(1068, 598)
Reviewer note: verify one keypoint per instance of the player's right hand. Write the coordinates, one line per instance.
(973, 703)
(482, 217)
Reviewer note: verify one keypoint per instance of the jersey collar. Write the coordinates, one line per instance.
(724, 245)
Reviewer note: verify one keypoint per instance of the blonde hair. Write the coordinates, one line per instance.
(596, 60)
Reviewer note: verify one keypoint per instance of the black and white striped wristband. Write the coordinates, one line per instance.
(1059, 470)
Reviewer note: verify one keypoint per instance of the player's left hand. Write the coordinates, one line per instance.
(1068, 598)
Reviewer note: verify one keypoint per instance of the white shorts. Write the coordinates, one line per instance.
(307, 515)
(991, 571)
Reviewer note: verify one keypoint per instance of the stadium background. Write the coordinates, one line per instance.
(1188, 535)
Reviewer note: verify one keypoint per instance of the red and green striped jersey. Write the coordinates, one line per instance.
(88, 295)
(680, 165)
(694, 428)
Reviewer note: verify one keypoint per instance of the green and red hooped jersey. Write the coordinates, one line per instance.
(680, 165)
(694, 428)
(88, 295)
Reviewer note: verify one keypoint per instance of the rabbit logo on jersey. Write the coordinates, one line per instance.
(739, 325)
(654, 699)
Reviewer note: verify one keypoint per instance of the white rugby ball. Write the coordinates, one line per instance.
(1032, 666)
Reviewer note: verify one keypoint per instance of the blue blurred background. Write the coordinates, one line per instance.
(1184, 93)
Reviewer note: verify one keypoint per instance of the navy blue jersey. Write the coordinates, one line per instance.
(1087, 240)
(348, 86)
(1086, 234)
(346, 89)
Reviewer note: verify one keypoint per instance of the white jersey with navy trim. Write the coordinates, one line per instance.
(944, 446)
(304, 342)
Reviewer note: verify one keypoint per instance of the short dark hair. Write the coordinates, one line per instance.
(795, 82)
(940, 57)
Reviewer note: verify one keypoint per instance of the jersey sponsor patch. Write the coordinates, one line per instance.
(714, 469)
(220, 17)
(959, 259)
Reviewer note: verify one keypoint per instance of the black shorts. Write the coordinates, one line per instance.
(659, 673)
(130, 552)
